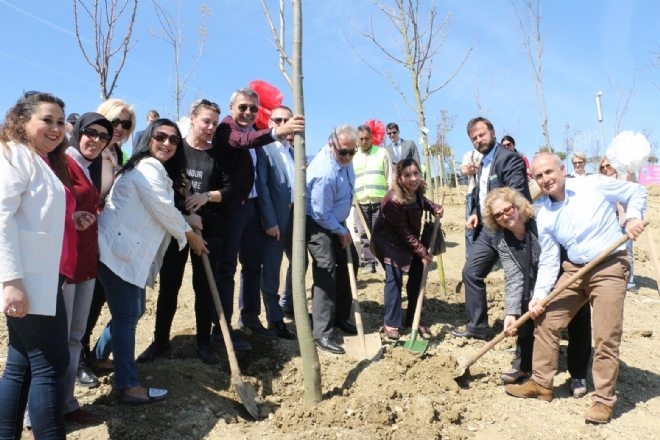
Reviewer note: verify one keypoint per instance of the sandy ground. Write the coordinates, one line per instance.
(400, 396)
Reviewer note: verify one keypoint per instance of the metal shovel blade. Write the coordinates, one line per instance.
(414, 344)
(369, 347)
(248, 396)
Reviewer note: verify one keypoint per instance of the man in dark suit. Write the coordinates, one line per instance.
(499, 168)
(237, 139)
(275, 180)
(399, 149)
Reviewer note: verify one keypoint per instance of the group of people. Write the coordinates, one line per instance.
(81, 223)
(539, 247)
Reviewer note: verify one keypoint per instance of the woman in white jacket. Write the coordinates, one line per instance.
(32, 216)
(139, 216)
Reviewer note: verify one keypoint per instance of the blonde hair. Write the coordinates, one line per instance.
(112, 108)
(512, 196)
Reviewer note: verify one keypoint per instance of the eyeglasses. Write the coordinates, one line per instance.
(392, 133)
(126, 125)
(340, 151)
(506, 211)
(161, 137)
(204, 103)
(279, 121)
(96, 135)
(243, 107)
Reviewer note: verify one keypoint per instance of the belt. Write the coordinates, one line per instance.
(614, 255)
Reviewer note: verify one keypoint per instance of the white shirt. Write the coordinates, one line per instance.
(486, 163)
(286, 152)
(472, 158)
(584, 223)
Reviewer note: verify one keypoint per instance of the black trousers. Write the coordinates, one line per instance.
(331, 292)
(483, 256)
(98, 300)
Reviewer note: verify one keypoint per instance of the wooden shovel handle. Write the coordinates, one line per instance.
(356, 302)
(229, 345)
(425, 273)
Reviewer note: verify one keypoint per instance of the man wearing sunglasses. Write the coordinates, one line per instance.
(330, 186)
(499, 167)
(399, 149)
(275, 180)
(236, 139)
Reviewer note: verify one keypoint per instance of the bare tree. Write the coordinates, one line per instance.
(106, 17)
(622, 95)
(530, 28)
(308, 353)
(421, 36)
(284, 64)
(172, 33)
(441, 148)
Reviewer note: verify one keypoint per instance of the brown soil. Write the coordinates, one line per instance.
(400, 396)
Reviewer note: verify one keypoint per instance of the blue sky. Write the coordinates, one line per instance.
(590, 45)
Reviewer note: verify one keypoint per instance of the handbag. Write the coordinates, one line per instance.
(439, 246)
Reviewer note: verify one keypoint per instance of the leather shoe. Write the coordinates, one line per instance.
(281, 330)
(82, 417)
(346, 326)
(85, 377)
(153, 352)
(260, 330)
(328, 344)
(153, 395)
(467, 334)
(598, 413)
(529, 389)
(239, 344)
(206, 355)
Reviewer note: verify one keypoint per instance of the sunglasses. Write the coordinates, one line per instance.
(243, 107)
(506, 211)
(606, 166)
(204, 103)
(279, 121)
(126, 125)
(161, 137)
(341, 151)
(507, 145)
(578, 162)
(391, 133)
(96, 135)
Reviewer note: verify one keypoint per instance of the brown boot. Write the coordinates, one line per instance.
(529, 389)
(598, 413)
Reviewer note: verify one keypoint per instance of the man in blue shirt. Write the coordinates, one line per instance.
(577, 214)
(330, 188)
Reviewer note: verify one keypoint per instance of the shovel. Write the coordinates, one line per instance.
(363, 222)
(245, 390)
(465, 364)
(360, 347)
(414, 345)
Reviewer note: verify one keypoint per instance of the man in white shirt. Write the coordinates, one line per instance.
(577, 214)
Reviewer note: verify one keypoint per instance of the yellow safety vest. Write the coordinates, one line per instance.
(370, 179)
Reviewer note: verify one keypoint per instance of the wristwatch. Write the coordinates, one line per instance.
(209, 195)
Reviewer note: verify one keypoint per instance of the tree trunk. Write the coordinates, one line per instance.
(309, 355)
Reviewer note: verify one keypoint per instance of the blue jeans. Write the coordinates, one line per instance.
(37, 360)
(126, 302)
(392, 300)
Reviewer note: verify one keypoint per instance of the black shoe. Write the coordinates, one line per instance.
(468, 334)
(260, 330)
(239, 344)
(153, 352)
(85, 377)
(346, 326)
(281, 330)
(206, 355)
(328, 344)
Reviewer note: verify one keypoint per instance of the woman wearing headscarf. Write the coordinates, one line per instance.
(90, 136)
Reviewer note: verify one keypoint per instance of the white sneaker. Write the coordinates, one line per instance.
(578, 387)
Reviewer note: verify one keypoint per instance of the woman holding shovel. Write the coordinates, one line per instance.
(396, 243)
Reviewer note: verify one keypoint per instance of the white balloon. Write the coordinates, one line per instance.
(628, 151)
